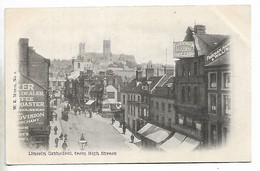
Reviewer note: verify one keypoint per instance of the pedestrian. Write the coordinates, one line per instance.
(61, 136)
(124, 129)
(55, 130)
(65, 137)
(56, 142)
(132, 138)
(79, 109)
(112, 120)
(64, 146)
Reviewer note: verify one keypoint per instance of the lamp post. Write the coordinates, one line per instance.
(82, 142)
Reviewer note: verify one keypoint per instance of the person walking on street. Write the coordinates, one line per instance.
(65, 137)
(56, 142)
(113, 120)
(132, 138)
(55, 130)
(64, 146)
(124, 128)
(61, 136)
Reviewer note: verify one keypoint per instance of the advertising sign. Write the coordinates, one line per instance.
(32, 108)
(185, 49)
(217, 53)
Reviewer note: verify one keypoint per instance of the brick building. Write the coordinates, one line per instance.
(34, 97)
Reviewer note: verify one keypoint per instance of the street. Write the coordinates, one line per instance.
(98, 132)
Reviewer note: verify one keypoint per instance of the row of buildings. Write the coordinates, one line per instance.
(34, 109)
(191, 108)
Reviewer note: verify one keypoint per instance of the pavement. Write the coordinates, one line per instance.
(127, 135)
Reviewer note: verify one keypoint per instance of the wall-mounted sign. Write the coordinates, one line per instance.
(185, 49)
(218, 53)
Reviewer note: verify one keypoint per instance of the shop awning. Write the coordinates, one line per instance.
(173, 142)
(159, 135)
(154, 133)
(189, 144)
(90, 102)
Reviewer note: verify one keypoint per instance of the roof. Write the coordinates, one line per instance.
(208, 42)
(74, 75)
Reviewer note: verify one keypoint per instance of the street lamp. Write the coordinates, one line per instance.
(82, 142)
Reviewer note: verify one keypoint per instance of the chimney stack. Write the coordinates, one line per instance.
(149, 72)
(139, 73)
(200, 29)
(23, 55)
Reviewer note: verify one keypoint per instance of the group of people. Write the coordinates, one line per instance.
(57, 139)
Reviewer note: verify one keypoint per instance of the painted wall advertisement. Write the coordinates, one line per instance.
(185, 49)
(32, 109)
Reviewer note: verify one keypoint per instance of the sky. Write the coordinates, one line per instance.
(145, 32)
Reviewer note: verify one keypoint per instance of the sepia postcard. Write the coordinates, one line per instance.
(161, 84)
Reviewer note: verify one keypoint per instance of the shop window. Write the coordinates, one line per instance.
(181, 119)
(163, 106)
(213, 103)
(212, 80)
(227, 104)
(213, 135)
(226, 80)
(189, 121)
(225, 134)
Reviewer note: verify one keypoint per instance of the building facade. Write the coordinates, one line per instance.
(34, 97)
(219, 94)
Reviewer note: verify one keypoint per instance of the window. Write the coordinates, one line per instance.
(157, 118)
(123, 99)
(213, 103)
(213, 134)
(157, 105)
(78, 65)
(181, 119)
(183, 70)
(226, 80)
(225, 135)
(189, 121)
(134, 110)
(189, 73)
(198, 126)
(163, 121)
(151, 104)
(195, 68)
(111, 95)
(139, 111)
(212, 80)
(163, 106)
(169, 122)
(227, 104)
(138, 98)
(189, 93)
(59, 83)
(195, 95)
(169, 107)
(134, 97)
(183, 94)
